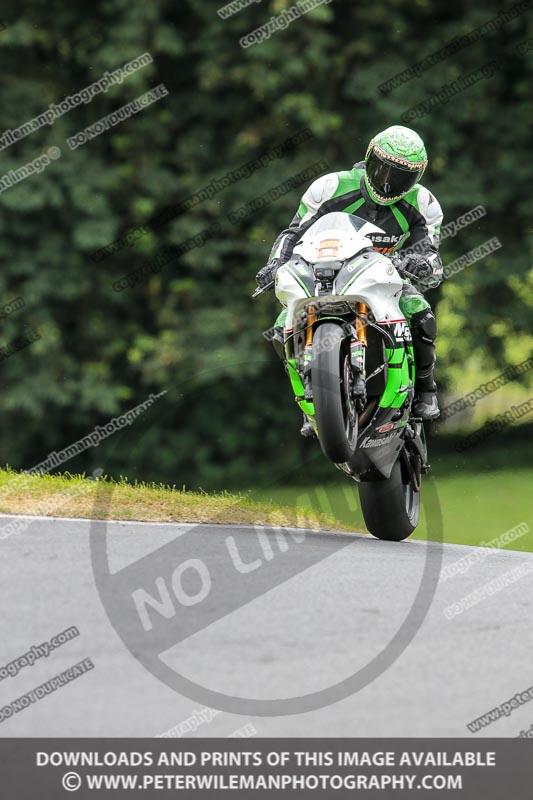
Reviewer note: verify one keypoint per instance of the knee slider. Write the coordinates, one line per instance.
(424, 325)
(412, 302)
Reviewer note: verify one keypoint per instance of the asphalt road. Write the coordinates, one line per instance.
(254, 613)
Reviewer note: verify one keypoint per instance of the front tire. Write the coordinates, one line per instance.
(391, 507)
(331, 376)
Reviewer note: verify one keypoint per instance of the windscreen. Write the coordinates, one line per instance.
(337, 220)
(335, 236)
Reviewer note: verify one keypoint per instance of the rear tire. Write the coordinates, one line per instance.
(336, 416)
(390, 507)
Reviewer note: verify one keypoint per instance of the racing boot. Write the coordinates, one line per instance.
(425, 405)
(307, 429)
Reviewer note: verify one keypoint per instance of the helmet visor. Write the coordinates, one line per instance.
(389, 180)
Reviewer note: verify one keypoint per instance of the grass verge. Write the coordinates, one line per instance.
(76, 496)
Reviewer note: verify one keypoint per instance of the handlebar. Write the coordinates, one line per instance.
(261, 289)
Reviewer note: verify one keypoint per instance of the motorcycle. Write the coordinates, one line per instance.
(349, 356)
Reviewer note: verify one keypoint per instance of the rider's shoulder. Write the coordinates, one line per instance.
(352, 175)
(421, 198)
(413, 195)
(322, 188)
(328, 186)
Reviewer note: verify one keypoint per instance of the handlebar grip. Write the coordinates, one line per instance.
(261, 289)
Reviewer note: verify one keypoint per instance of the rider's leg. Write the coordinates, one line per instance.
(277, 334)
(278, 345)
(421, 319)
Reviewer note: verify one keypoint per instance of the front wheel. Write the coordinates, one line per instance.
(332, 379)
(390, 507)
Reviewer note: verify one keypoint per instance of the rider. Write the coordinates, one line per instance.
(383, 189)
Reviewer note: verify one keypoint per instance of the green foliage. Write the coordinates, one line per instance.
(192, 329)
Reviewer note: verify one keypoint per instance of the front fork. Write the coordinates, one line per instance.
(308, 352)
(358, 347)
(358, 356)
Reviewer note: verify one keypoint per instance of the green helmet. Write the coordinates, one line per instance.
(395, 160)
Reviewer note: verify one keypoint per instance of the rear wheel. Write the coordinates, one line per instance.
(390, 507)
(332, 381)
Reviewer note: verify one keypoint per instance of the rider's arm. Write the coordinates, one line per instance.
(311, 207)
(424, 216)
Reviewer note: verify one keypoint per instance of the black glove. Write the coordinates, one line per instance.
(267, 274)
(413, 264)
